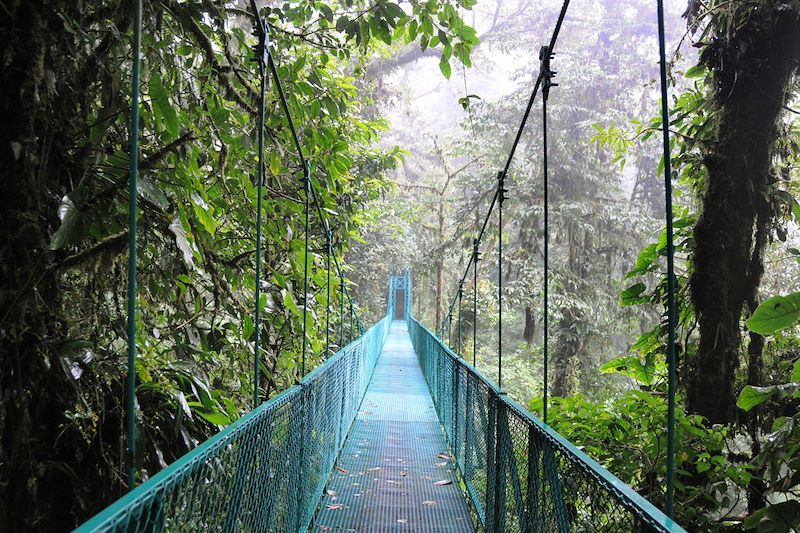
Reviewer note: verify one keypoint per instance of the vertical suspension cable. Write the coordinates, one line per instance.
(328, 301)
(671, 311)
(547, 76)
(132, 211)
(261, 57)
(352, 336)
(460, 295)
(341, 311)
(501, 193)
(545, 309)
(307, 182)
(475, 303)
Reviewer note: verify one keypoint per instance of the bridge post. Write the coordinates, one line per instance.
(299, 458)
(496, 449)
(456, 397)
(534, 452)
(491, 466)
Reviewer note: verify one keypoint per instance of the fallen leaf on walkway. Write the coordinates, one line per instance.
(403, 474)
(444, 456)
(331, 493)
(443, 482)
(402, 521)
(341, 470)
(429, 503)
(373, 469)
(441, 464)
(324, 528)
(334, 506)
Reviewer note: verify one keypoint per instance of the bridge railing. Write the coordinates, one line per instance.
(267, 470)
(519, 474)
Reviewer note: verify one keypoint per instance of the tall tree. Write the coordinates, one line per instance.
(752, 50)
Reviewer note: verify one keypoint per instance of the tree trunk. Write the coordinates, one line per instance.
(752, 68)
(568, 347)
(529, 333)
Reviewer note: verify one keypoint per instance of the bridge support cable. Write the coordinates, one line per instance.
(261, 58)
(544, 82)
(341, 310)
(671, 311)
(501, 195)
(132, 214)
(546, 75)
(328, 297)
(307, 185)
(475, 259)
(266, 61)
(540, 81)
(460, 297)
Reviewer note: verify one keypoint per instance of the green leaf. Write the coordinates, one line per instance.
(290, 304)
(780, 517)
(71, 228)
(696, 71)
(644, 261)
(204, 213)
(182, 242)
(215, 417)
(152, 193)
(275, 160)
(632, 367)
(775, 314)
(444, 66)
(160, 99)
(342, 23)
(752, 396)
(247, 327)
(632, 295)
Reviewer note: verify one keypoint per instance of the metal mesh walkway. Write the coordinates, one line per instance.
(395, 472)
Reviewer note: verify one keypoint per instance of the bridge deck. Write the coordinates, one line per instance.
(394, 472)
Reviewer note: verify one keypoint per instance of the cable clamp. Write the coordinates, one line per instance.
(307, 177)
(547, 74)
(261, 48)
(501, 186)
(476, 255)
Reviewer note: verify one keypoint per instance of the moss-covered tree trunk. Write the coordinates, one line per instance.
(752, 60)
(41, 483)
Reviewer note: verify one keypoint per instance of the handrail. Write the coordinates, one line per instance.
(519, 473)
(267, 470)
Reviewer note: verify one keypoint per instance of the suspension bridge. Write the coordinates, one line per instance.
(396, 431)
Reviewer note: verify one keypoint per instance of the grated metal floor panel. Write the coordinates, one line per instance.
(394, 471)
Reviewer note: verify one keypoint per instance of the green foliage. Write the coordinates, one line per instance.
(627, 436)
(775, 314)
(779, 457)
(197, 220)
